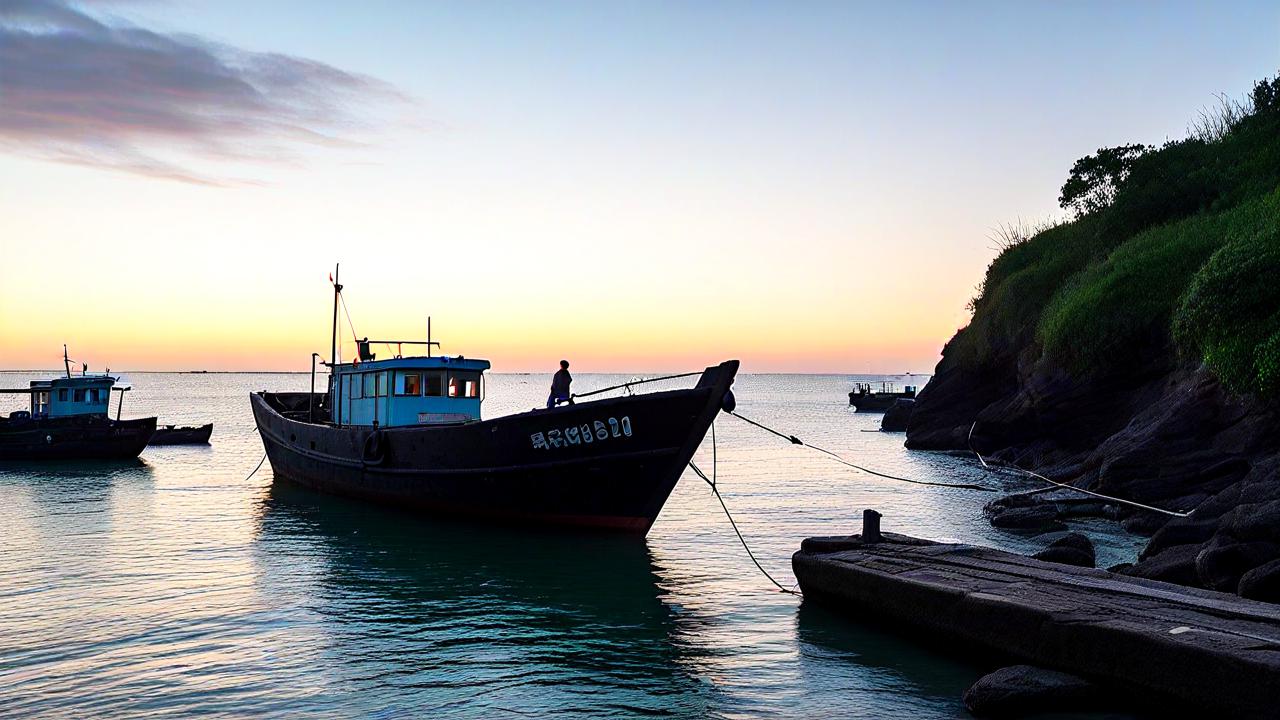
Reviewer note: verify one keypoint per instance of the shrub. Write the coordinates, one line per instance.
(1118, 310)
(1230, 314)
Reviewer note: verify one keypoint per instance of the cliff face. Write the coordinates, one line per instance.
(1135, 351)
(1162, 434)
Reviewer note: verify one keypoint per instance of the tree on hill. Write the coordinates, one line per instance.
(1094, 179)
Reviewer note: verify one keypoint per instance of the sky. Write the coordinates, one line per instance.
(807, 187)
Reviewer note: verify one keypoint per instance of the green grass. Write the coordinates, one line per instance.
(1184, 262)
(1230, 314)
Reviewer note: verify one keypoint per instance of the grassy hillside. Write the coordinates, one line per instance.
(1174, 251)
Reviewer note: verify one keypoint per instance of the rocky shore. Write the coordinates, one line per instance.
(1162, 434)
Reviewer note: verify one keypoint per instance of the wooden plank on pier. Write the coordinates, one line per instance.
(1206, 648)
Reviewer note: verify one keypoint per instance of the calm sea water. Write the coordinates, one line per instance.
(174, 586)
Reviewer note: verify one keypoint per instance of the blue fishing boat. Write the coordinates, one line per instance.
(407, 431)
(68, 420)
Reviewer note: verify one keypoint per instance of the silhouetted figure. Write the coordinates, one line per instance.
(560, 385)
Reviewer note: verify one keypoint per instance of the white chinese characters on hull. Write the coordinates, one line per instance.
(584, 434)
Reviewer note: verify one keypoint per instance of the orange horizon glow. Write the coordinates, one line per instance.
(629, 189)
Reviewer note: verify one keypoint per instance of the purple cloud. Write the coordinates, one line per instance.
(76, 89)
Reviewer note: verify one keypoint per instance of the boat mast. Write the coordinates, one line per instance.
(335, 398)
(66, 364)
(333, 343)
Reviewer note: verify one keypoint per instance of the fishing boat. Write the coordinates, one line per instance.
(68, 420)
(408, 432)
(867, 398)
(182, 435)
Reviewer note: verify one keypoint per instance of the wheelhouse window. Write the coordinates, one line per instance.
(464, 384)
(62, 395)
(79, 395)
(408, 383)
(434, 383)
(370, 385)
(383, 386)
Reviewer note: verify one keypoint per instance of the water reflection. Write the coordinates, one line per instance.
(474, 619)
(55, 499)
(867, 660)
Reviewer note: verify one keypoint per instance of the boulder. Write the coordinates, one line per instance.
(1222, 562)
(1180, 531)
(897, 416)
(1176, 565)
(1070, 548)
(1144, 523)
(1254, 521)
(1036, 517)
(1024, 689)
(1262, 583)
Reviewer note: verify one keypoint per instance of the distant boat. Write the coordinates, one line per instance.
(865, 398)
(175, 435)
(68, 420)
(406, 432)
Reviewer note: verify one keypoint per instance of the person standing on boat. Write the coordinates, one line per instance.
(560, 385)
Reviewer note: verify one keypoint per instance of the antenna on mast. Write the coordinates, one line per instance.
(428, 336)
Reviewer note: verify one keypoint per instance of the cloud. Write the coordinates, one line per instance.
(78, 89)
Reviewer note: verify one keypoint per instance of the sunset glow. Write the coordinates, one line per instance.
(554, 183)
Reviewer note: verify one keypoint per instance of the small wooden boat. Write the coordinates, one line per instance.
(68, 420)
(407, 432)
(865, 398)
(182, 435)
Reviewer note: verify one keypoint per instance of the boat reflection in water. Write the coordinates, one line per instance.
(464, 618)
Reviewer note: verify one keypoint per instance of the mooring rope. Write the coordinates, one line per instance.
(1065, 486)
(797, 441)
(710, 481)
(637, 381)
(256, 467)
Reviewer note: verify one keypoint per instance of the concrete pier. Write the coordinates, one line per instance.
(1202, 648)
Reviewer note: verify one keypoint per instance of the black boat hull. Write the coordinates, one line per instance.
(74, 438)
(608, 464)
(169, 435)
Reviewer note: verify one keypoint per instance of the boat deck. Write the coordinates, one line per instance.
(1200, 647)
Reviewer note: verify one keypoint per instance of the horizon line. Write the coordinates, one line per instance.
(491, 372)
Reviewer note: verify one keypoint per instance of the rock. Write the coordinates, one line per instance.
(1262, 582)
(1122, 568)
(1144, 523)
(1222, 562)
(1180, 531)
(1176, 565)
(1066, 556)
(1037, 517)
(1076, 540)
(897, 416)
(1254, 521)
(1023, 689)
(1070, 548)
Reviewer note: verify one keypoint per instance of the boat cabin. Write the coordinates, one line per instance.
(407, 391)
(67, 396)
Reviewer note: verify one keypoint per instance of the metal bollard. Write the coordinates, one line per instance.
(871, 526)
